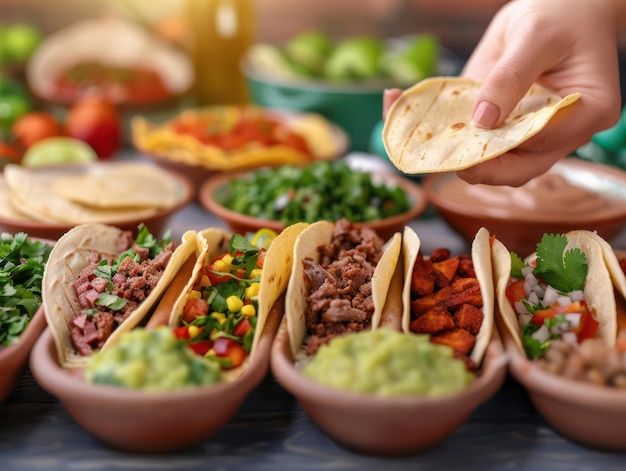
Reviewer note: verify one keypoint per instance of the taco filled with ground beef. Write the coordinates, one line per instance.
(339, 282)
(100, 281)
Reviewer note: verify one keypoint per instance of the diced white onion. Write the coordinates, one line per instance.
(550, 296)
(573, 318)
(528, 270)
(524, 318)
(564, 301)
(539, 290)
(520, 308)
(533, 298)
(542, 334)
(577, 295)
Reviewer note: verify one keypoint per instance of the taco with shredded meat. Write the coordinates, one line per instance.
(339, 283)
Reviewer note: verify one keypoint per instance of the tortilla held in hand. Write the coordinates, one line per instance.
(429, 128)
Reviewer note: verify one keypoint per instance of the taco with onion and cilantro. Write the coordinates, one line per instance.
(562, 291)
(100, 281)
(236, 280)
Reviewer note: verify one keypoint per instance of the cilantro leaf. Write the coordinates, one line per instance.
(564, 270)
(516, 266)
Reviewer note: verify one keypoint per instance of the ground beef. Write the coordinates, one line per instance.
(340, 285)
(134, 281)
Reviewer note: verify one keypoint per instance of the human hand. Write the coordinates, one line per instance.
(565, 45)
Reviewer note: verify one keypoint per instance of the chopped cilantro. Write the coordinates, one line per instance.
(565, 271)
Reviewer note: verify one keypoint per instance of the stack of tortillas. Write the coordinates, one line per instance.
(430, 127)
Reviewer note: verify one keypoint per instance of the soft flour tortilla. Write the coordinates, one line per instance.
(430, 127)
(124, 186)
(69, 256)
(598, 291)
(316, 235)
(213, 242)
(33, 192)
(481, 258)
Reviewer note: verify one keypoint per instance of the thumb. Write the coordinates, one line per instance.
(506, 84)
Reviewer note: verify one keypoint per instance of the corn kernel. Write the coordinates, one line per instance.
(205, 281)
(219, 265)
(195, 294)
(193, 331)
(248, 310)
(210, 353)
(234, 303)
(256, 273)
(219, 317)
(253, 290)
(215, 334)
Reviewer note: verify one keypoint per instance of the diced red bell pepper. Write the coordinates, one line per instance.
(231, 349)
(201, 346)
(242, 327)
(195, 307)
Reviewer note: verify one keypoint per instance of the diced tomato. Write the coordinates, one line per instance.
(261, 258)
(231, 349)
(194, 307)
(587, 327)
(213, 277)
(515, 292)
(201, 346)
(182, 332)
(242, 327)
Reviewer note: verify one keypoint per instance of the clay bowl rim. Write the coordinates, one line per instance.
(45, 229)
(432, 182)
(214, 183)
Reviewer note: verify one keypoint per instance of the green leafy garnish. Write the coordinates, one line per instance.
(516, 266)
(22, 264)
(565, 271)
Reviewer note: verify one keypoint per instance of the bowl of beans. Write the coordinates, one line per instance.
(278, 197)
(579, 389)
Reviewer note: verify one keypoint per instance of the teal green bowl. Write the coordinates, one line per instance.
(355, 109)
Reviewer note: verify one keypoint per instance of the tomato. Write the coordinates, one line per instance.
(34, 126)
(96, 121)
(231, 349)
(194, 307)
(182, 332)
(587, 326)
(515, 292)
(201, 346)
(242, 327)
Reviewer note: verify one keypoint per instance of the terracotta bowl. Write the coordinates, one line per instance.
(575, 206)
(157, 222)
(242, 223)
(588, 414)
(13, 359)
(386, 425)
(145, 422)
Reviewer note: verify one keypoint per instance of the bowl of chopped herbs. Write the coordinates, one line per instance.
(278, 197)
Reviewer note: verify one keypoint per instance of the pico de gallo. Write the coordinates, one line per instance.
(547, 294)
(220, 314)
(239, 128)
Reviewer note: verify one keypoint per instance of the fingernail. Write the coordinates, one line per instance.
(486, 114)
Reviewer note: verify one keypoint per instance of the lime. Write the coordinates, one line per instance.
(20, 41)
(58, 150)
(355, 58)
(415, 61)
(309, 50)
(270, 60)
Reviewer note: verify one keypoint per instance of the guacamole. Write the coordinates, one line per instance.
(151, 360)
(388, 363)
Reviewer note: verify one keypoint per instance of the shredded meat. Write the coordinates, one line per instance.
(340, 285)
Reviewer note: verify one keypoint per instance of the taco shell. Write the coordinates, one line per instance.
(598, 291)
(70, 255)
(306, 245)
(430, 127)
(481, 258)
(213, 242)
